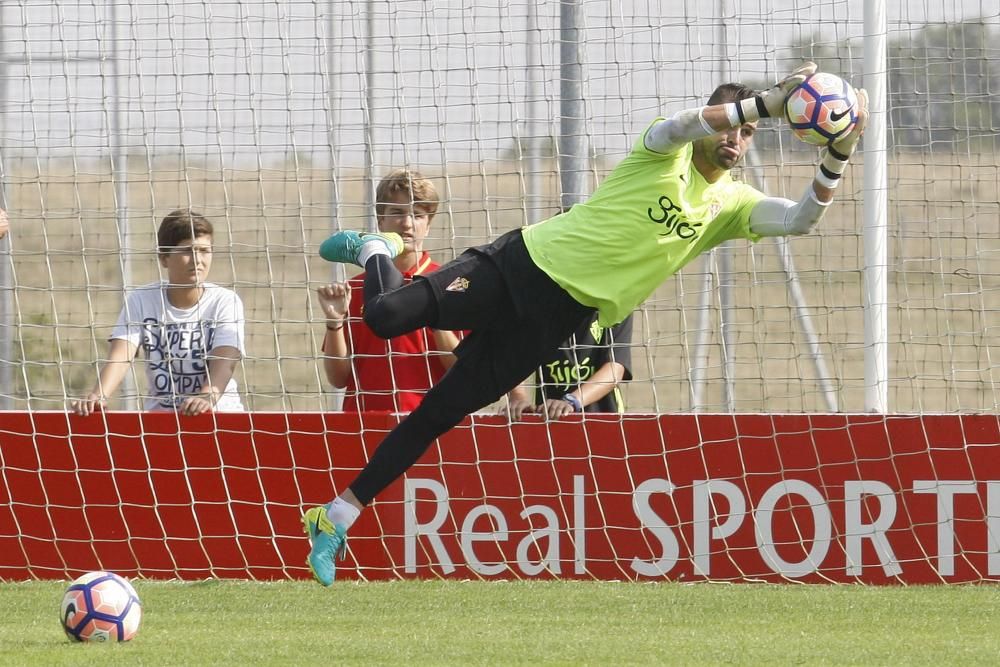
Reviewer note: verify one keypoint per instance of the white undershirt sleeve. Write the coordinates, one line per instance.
(777, 216)
(683, 127)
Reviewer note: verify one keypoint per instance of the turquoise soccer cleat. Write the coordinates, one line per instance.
(329, 543)
(345, 246)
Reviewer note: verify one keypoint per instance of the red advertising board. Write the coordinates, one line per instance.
(842, 498)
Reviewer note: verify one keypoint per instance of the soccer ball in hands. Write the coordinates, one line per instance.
(101, 607)
(822, 109)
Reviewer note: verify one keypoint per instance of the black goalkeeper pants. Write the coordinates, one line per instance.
(517, 318)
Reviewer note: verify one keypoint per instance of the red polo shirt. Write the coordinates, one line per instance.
(389, 375)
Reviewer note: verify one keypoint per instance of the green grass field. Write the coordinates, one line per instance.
(528, 623)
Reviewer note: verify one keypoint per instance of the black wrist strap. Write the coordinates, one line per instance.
(761, 107)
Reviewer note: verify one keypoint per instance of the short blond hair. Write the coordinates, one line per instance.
(413, 185)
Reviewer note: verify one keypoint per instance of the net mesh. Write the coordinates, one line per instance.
(276, 119)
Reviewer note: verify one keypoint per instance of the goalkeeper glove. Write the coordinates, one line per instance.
(836, 155)
(770, 102)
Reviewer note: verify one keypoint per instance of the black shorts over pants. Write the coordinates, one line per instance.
(518, 316)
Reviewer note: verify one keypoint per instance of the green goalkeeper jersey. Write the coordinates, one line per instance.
(652, 215)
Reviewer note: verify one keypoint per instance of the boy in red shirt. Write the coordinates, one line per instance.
(378, 374)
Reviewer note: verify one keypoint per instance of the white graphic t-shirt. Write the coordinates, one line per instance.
(178, 341)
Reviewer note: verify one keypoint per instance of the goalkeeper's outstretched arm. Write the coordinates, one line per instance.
(692, 124)
(772, 216)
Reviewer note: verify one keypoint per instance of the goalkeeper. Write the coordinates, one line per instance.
(671, 199)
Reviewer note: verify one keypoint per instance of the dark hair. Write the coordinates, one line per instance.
(179, 226)
(730, 92)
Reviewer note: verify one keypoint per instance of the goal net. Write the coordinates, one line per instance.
(277, 119)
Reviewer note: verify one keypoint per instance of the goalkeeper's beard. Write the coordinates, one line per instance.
(727, 156)
(721, 156)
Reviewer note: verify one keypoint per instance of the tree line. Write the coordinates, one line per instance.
(943, 82)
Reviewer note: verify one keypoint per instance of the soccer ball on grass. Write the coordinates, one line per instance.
(822, 109)
(101, 607)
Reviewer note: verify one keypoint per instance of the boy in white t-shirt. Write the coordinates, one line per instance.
(190, 331)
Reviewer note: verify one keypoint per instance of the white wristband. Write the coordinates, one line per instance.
(733, 115)
(751, 110)
(833, 164)
(831, 168)
(827, 181)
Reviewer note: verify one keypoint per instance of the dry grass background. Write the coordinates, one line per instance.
(944, 274)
